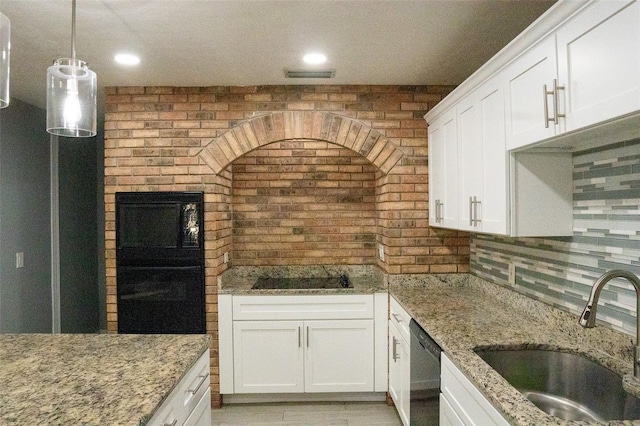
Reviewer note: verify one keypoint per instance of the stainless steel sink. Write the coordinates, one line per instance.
(565, 385)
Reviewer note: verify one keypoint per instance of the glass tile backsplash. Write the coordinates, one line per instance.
(606, 235)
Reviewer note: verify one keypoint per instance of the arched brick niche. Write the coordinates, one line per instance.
(265, 129)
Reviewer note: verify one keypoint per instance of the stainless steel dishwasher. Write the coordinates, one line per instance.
(425, 378)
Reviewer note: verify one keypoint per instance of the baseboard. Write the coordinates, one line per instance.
(304, 397)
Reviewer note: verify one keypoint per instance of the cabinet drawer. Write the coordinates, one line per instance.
(201, 415)
(465, 400)
(399, 317)
(196, 383)
(184, 398)
(302, 307)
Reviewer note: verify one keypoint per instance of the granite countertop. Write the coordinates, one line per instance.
(91, 379)
(463, 313)
(364, 279)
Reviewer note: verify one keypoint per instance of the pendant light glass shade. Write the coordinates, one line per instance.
(71, 99)
(71, 94)
(5, 50)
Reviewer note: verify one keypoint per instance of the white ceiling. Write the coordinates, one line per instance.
(251, 42)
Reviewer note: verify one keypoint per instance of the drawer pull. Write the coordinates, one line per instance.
(173, 423)
(203, 378)
(396, 317)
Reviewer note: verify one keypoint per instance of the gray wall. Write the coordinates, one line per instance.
(25, 294)
(79, 311)
(25, 211)
(606, 235)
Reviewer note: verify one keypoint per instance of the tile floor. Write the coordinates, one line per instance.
(307, 414)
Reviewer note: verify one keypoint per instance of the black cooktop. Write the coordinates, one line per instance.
(275, 283)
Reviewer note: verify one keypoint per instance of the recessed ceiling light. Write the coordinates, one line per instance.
(127, 59)
(314, 58)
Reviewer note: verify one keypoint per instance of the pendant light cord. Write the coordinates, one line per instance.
(73, 29)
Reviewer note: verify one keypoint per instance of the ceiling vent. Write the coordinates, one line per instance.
(309, 74)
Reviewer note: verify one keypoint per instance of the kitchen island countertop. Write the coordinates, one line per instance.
(91, 379)
(465, 313)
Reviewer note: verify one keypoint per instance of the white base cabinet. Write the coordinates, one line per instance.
(302, 344)
(399, 359)
(189, 403)
(303, 356)
(461, 403)
(268, 357)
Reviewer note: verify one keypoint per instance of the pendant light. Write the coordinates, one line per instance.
(71, 94)
(5, 50)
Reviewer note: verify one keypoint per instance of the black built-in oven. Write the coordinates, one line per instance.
(160, 262)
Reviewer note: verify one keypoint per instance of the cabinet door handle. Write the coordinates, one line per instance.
(299, 337)
(545, 94)
(475, 211)
(307, 336)
(396, 317)
(556, 101)
(203, 378)
(394, 351)
(471, 211)
(439, 211)
(173, 423)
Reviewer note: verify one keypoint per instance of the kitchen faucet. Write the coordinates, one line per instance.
(588, 317)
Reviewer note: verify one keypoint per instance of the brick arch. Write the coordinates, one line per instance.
(278, 126)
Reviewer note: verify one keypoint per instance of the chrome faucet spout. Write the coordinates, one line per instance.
(588, 316)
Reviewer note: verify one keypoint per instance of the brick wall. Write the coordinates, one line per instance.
(283, 156)
(303, 202)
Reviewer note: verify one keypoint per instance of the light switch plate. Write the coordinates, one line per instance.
(19, 260)
(225, 257)
(381, 252)
(512, 273)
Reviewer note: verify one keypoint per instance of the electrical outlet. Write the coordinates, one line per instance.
(225, 257)
(19, 260)
(381, 252)
(512, 273)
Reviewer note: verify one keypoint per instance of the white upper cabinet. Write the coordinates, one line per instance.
(584, 73)
(482, 160)
(527, 102)
(599, 62)
(443, 162)
(470, 165)
(500, 144)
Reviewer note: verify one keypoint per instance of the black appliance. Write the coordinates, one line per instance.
(424, 408)
(160, 262)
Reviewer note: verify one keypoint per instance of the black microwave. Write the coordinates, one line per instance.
(159, 226)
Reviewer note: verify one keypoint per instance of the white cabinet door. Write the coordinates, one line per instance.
(268, 356)
(599, 62)
(448, 416)
(443, 163)
(482, 161)
(339, 356)
(399, 373)
(492, 208)
(470, 164)
(524, 81)
(436, 172)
